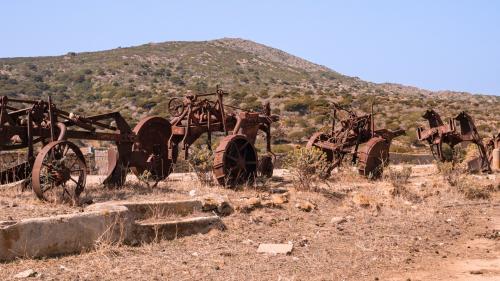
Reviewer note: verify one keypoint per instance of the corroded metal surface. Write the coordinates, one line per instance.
(438, 133)
(356, 136)
(235, 161)
(149, 153)
(59, 172)
(42, 123)
(196, 115)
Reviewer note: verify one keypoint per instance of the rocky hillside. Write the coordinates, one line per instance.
(138, 81)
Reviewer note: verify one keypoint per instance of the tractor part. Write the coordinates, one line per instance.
(59, 172)
(149, 160)
(265, 167)
(373, 157)
(197, 114)
(356, 136)
(439, 134)
(235, 161)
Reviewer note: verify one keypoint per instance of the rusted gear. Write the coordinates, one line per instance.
(266, 166)
(59, 172)
(150, 160)
(175, 107)
(235, 161)
(317, 137)
(373, 156)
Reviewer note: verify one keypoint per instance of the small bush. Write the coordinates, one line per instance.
(307, 166)
(201, 162)
(398, 177)
(450, 173)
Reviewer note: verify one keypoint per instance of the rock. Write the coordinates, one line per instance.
(338, 220)
(192, 193)
(276, 200)
(361, 200)
(305, 206)
(279, 199)
(250, 204)
(216, 203)
(278, 190)
(26, 274)
(476, 272)
(275, 248)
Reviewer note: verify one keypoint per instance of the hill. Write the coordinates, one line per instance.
(139, 81)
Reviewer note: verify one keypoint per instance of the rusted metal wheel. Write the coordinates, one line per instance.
(149, 161)
(266, 166)
(235, 161)
(59, 172)
(373, 156)
(116, 174)
(175, 107)
(320, 136)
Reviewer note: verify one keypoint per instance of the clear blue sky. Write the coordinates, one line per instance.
(440, 44)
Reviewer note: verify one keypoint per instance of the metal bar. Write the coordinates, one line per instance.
(52, 120)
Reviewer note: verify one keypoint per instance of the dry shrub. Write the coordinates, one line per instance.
(307, 166)
(112, 239)
(473, 190)
(470, 188)
(398, 177)
(450, 172)
(201, 161)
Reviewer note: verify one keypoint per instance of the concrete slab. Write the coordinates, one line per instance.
(114, 221)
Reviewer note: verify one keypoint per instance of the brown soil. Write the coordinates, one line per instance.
(429, 232)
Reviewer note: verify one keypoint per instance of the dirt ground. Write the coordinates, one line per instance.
(359, 230)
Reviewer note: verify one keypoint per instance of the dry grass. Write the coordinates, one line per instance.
(387, 236)
(307, 166)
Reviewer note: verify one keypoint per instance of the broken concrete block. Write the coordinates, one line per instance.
(275, 248)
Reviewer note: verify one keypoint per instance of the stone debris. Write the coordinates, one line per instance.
(361, 200)
(276, 200)
(217, 203)
(250, 204)
(305, 206)
(338, 220)
(275, 248)
(26, 274)
(278, 190)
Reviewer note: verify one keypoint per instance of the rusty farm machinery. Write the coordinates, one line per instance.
(58, 171)
(235, 159)
(358, 137)
(439, 134)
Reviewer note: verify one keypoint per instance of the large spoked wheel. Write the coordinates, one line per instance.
(235, 161)
(317, 137)
(150, 151)
(373, 156)
(59, 172)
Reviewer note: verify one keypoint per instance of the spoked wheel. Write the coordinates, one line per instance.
(235, 161)
(373, 156)
(149, 161)
(59, 172)
(175, 107)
